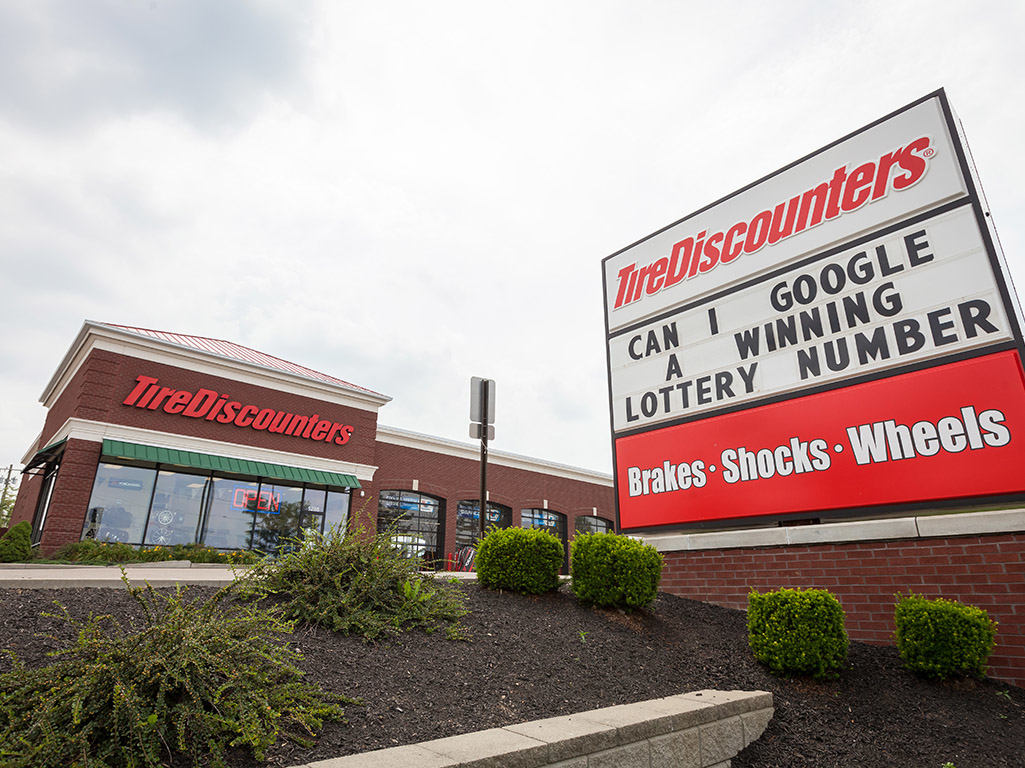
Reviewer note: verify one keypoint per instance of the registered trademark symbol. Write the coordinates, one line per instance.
(838, 448)
(928, 152)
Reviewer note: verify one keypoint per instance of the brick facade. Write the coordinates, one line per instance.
(454, 479)
(985, 571)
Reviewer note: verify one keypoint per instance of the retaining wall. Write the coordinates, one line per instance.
(976, 558)
(705, 729)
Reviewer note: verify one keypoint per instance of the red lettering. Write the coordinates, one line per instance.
(264, 418)
(309, 427)
(343, 436)
(200, 404)
(178, 401)
(228, 412)
(164, 392)
(321, 430)
(140, 387)
(912, 163)
(245, 416)
(658, 271)
(857, 191)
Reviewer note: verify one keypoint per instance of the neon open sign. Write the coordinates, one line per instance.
(250, 500)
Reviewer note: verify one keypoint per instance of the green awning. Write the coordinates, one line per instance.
(45, 455)
(118, 449)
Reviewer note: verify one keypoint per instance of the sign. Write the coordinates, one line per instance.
(931, 434)
(747, 341)
(919, 291)
(209, 405)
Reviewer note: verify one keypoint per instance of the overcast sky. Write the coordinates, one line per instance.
(408, 194)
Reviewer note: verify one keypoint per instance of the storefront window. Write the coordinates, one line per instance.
(43, 506)
(468, 520)
(278, 512)
(413, 520)
(591, 524)
(119, 504)
(232, 513)
(336, 511)
(177, 507)
(553, 522)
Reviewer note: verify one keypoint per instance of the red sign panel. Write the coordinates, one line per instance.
(948, 432)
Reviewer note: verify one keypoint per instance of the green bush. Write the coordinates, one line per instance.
(197, 678)
(794, 631)
(16, 544)
(519, 560)
(940, 638)
(356, 584)
(609, 570)
(104, 552)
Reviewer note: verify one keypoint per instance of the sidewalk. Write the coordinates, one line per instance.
(167, 574)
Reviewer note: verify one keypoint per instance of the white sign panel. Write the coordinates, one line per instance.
(895, 169)
(924, 290)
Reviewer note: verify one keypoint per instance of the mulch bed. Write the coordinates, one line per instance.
(536, 657)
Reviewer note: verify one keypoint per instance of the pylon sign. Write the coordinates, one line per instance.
(841, 335)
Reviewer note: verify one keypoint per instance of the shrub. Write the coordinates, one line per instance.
(940, 638)
(197, 677)
(520, 560)
(794, 631)
(97, 552)
(16, 544)
(609, 570)
(355, 584)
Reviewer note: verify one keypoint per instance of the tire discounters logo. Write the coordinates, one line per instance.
(210, 405)
(842, 193)
(838, 335)
(923, 435)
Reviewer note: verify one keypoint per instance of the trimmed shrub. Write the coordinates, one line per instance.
(793, 631)
(356, 584)
(16, 544)
(940, 638)
(197, 678)
(92, 551)
(613, 571)
(525, 560)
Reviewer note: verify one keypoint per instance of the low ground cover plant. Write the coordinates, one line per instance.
(794, 631)
(525, 560)
(16, 544)
(613, 571)
(92, 552)
(357, 584)
(195, 678)
(941, 638)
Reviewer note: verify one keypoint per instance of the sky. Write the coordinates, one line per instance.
(406, 194)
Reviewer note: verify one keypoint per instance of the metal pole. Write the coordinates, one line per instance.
(483, 502)
(7, 482)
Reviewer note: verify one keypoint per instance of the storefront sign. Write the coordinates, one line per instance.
(790, 348)
(928, 435)
(209, 405)
(915, 293)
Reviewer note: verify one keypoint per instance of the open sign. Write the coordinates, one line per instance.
(251, 500)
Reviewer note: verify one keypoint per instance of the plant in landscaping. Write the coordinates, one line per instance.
(16, 544)
(197, 677)
(525, 560)
(940, 638)
(355, 584)
(795, 631)
(97, 552)
(613, 571)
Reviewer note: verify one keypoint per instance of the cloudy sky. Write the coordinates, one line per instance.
(407, 194)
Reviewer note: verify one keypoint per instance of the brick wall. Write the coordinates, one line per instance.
(454, 479)
(70, 498)
(987, 571)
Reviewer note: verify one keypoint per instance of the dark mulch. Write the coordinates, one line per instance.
(535, 657)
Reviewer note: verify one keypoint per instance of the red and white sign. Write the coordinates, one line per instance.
(862, 261)
(930, 435)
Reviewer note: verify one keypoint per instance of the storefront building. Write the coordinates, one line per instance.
(156, 438)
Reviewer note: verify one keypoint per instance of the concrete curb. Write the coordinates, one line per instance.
(704, 729)
(165, 574)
